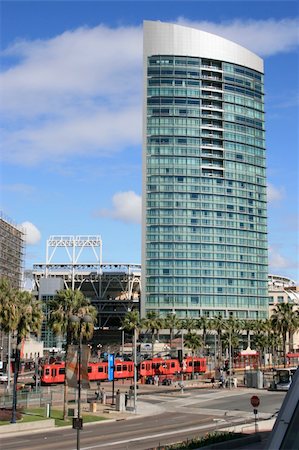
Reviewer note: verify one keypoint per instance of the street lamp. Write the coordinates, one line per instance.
(135, 369)
(80, 320)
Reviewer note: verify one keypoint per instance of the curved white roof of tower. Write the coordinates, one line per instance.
(170, 39)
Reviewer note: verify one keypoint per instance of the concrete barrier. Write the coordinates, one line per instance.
(27, 426)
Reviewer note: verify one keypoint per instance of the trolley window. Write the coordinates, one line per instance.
(61, 371)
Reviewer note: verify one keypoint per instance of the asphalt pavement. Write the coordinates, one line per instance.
(164, 415)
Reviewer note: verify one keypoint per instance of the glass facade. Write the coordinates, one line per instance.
(205, 236)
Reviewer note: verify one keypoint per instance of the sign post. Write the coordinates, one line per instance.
(111, 372)
(255, 401)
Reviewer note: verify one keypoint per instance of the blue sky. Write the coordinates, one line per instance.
(71, 88)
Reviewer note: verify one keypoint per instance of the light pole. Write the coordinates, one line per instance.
(122, 343)
(9, 361)
(135, 370)
(230, 357)
(79, 423)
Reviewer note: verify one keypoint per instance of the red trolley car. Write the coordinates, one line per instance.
(170, 367)
(98, 371)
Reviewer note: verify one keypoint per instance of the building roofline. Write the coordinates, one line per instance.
(172, 39)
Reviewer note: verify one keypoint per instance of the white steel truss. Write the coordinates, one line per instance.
(74, 247)
(114, 288)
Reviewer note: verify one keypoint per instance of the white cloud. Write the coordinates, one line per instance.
(80, 92)
(277, 261)
(103, 132)
(274, 194)
(32, 234)
(126, 207)
(264, 37)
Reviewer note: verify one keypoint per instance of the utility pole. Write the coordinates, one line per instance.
(135, 370)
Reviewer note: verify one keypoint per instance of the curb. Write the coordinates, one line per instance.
(39, 425)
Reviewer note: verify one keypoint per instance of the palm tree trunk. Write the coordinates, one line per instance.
(153, 343)
(16, 375)
(65, 402)
(65, 387)
(170, 337)
(204, 338)
(219, 350)
(193, 365)
(284, 344)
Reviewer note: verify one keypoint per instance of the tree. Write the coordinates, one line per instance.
(131, 321)
(230, 339)
(171, 323)
(219, 324)
(193, 341)
(204, 324)
(189, 324)
(63, 306)
(284, 320)
(248, 326)
(151, 322)
(22, 314)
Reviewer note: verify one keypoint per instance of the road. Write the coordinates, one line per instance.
(170, 418)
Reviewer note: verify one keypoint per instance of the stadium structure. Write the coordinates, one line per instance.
(76, 262)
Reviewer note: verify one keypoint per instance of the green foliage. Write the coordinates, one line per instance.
(131, 321)
(20, 312)
(209, 438)
(35, 414)
(68, 303)
(192, 341)
(189, 324)
(285, 321)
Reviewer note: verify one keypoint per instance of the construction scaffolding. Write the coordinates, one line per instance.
(12, 254)
(12, 251)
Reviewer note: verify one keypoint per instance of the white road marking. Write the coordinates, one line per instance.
(19, 442)
(167, 433)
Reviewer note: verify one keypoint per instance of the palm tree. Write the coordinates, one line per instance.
(219, 324)
(131, 321)
(189, 324)
(151, 322)
(21, 313)
(284, 321)
(193, 341)
(266, 339)
(171, 323)
(63, 306)
(8, 315)
(204, 324)
(248, 326)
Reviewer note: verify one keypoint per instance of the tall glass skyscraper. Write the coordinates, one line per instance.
(204, 176)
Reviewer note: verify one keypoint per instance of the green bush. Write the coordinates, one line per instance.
(209, 438)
